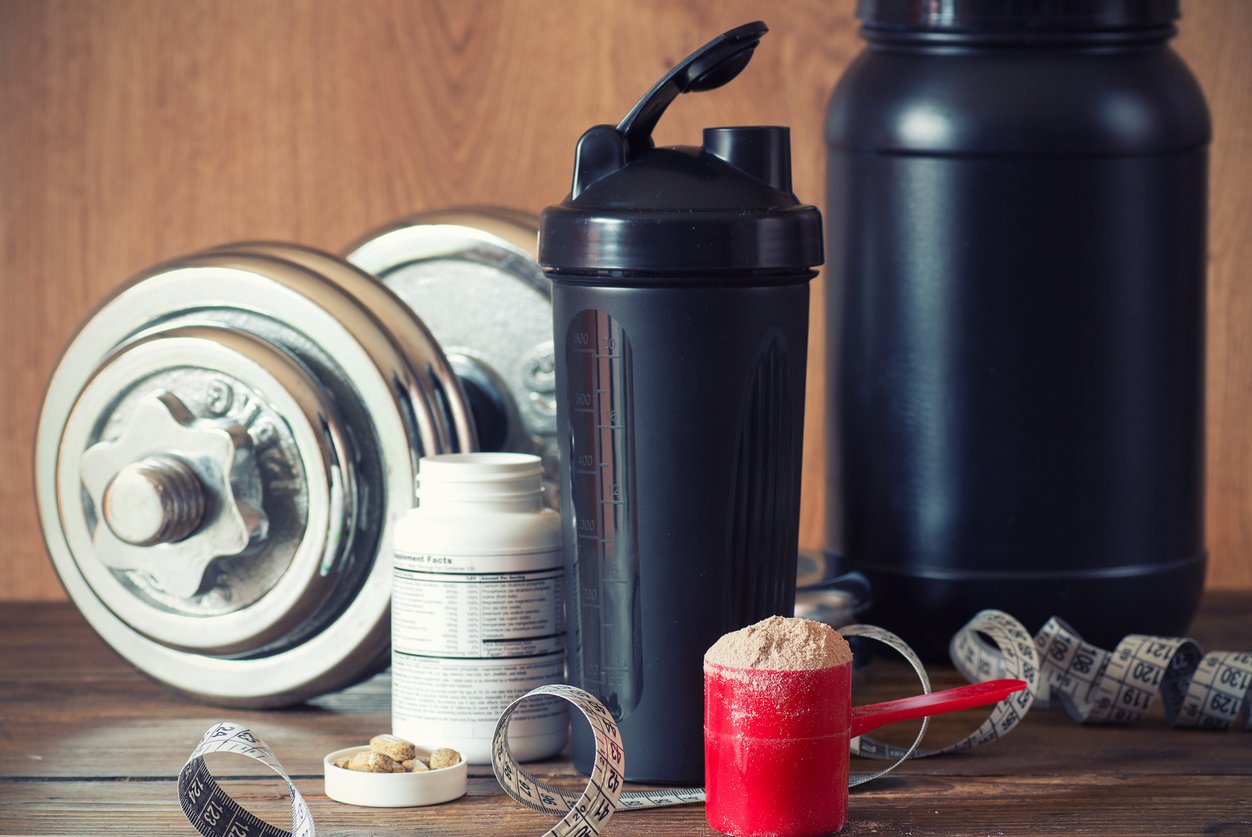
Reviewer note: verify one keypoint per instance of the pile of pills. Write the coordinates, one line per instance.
(390, 754)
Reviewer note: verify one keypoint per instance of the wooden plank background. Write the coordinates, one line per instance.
(133, 131)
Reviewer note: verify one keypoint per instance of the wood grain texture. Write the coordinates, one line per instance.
(91, 747)
(135, 131)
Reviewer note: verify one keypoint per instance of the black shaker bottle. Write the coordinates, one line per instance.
(680, 303)
(1016, 300)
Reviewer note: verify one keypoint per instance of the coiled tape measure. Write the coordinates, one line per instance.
(1209, 691)
(212, 811)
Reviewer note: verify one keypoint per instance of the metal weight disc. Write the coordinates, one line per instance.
(222, 450)
(430, 385)
(471, 276)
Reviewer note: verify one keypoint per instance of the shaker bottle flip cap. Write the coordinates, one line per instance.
(724, 206)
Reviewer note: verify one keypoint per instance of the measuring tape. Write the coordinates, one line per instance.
(1211, 691)
(212, 811)
(1198, 690)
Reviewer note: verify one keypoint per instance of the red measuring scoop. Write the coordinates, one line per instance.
(776, 744)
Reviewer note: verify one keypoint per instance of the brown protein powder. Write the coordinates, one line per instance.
(781, 643)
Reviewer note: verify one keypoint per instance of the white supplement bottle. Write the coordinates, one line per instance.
(476, 611)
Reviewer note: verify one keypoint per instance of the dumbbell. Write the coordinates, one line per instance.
(226, 441)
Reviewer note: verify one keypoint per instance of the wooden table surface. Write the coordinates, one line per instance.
(91, 747)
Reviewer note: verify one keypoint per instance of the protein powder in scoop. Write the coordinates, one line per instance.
(780, 643)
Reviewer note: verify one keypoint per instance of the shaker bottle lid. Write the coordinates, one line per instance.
(725, 207)
(1022, 15)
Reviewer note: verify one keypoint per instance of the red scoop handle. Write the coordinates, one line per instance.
(874, 715)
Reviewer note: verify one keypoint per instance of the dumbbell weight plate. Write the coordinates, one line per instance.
(292, 401)
(224, 380)
(429, 384)
(471, 276)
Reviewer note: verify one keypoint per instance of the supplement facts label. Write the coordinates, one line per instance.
(472, 633)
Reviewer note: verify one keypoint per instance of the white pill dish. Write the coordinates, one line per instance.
(393, 790)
